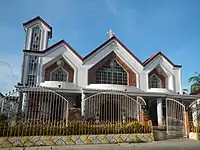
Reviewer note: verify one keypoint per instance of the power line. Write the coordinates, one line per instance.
(9, 66)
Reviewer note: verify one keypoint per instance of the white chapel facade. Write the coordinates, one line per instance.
(111, 66)
(156, 72)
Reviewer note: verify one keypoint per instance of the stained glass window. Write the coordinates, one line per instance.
(111, 73)
(35, 38)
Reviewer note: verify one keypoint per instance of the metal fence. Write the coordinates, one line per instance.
(175, 117)
(34, 103)
(195, 116)
(62, 128)
(113, 106)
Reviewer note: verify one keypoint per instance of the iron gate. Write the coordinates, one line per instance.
(35, 104)
(195, 115)
(113, 106)
(175, 118)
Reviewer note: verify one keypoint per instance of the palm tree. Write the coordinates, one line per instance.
(195, 80)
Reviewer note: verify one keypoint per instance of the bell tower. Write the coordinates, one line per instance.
(37, 35)
(38, 32)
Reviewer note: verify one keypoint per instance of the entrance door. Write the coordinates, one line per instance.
(109, 111)
(153, 114)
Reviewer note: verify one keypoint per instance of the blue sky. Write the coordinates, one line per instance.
(144, 26)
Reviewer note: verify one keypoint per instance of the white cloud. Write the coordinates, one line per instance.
(112, 6)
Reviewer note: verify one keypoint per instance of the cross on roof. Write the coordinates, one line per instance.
(110, 33)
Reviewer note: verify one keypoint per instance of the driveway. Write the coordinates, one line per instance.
(175, 144)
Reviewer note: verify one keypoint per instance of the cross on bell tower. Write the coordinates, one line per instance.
(110, 33)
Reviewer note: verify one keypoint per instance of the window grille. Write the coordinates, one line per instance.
(32, 70)
(35, 38)
(154, 82)
(111, 73)
(59, 74)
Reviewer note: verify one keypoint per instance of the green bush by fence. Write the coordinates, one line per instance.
(72, 128)
(195, 127)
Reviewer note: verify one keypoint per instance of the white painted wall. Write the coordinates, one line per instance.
(174, 74)
(81, 68)
(25, 69)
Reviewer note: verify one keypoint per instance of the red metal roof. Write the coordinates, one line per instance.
(40, 19)
(95, 50)
(155, 55)
(114, 37)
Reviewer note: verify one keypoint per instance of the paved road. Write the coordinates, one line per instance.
(175, 144)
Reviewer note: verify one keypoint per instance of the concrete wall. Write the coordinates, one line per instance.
(74, 140)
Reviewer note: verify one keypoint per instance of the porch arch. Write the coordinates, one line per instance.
(113, 106)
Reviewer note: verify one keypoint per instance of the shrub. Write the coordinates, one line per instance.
(195, 128)
(72, 128)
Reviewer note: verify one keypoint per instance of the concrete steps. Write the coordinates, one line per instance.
(160, 134)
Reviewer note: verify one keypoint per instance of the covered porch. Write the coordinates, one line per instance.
(106, 104)
(153, 104)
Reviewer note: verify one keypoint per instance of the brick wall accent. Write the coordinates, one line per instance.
(160, 76)
(66, 66)
(92, 71)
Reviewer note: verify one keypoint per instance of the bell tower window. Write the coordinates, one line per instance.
(35, 38)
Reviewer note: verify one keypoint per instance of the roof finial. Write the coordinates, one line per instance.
(110, 33)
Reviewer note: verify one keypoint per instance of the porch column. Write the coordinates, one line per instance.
(24, 105)
(196, 113)
(82, 104)
(159, 111)
(143, 117)
(187, 122)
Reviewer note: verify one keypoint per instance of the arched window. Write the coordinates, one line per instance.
(111, 73)
(59, 74)
(154, 82)
(35, 38)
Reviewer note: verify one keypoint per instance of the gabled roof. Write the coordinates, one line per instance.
(40, 19)
(99, 47)
(54, 45)
(113, 38)
(155, 55)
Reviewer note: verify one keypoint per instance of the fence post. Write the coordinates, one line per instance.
(187, 122)
(143, 114)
